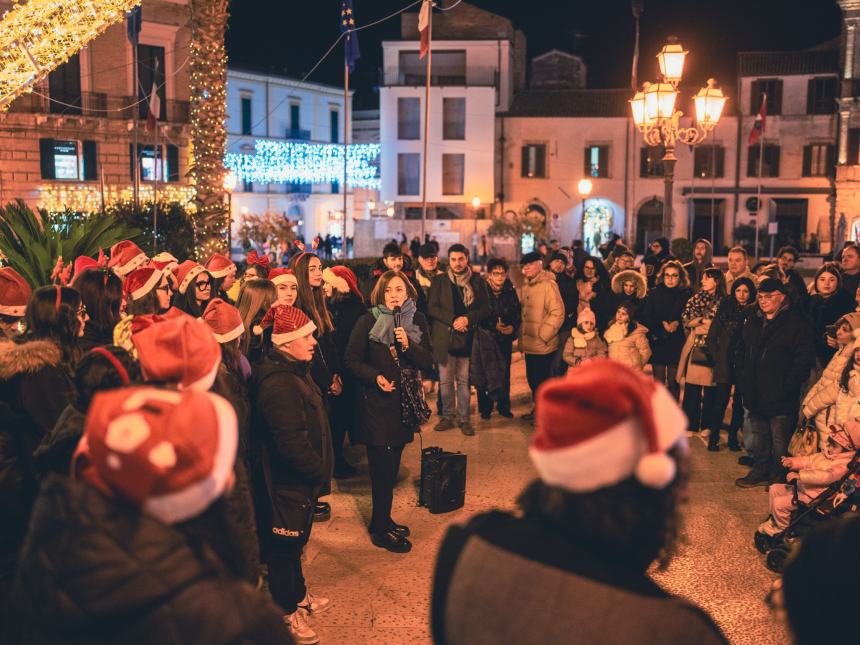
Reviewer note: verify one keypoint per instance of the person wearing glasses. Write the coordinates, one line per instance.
(194, 288)
(778, 354)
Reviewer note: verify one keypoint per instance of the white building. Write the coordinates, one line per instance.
(264, 107)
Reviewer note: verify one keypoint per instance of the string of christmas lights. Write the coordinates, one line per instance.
(41, 35)
(83, 198)
(280, 162)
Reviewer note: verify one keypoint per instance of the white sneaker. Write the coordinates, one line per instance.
(297, 623)
(314, 604)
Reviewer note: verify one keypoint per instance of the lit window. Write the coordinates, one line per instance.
(66, 161)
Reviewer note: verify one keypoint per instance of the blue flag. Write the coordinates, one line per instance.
(133, 24)
(350, 45)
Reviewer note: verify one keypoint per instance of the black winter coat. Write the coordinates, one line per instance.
(378, 411)
(345, 314)
(505, 306)
(570, 298)
(54, 452)
(724, 339)
(95, 337)
(291, 426)
(95, 570)
(440, 311)
(664, 304)
(777, 358)
(823, 312)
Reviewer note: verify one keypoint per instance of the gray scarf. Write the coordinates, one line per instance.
(464, 281)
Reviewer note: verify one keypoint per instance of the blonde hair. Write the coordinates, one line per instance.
(255, 296)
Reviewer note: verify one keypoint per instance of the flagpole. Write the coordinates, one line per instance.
(158, 168)
(758, 193)
(345, 141)
(427, 120)
(136, 156)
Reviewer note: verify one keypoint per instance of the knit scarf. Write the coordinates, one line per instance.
(423, 278)
(580, 339)
(616, 332)
(383, 329)
(701, 305)
(464, 282)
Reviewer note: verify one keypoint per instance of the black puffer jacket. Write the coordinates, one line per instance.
(506, 307)
(824, 312)
(94, 570)
(663, 304)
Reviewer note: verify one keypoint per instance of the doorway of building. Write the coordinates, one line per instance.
(649, 223)
(790, 215)
(708, 222)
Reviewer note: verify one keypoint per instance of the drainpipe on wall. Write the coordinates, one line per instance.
(502, 168)
(738, 141)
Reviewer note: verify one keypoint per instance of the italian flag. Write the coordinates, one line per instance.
(424, 28)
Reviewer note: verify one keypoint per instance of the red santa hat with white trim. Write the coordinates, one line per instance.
(169, 453)
(220, 266)
(224, 320)
(179, 350)
(14, 293)
(186, 273)
(164, 261)
(283, 276)
(140, 282)
(125, 257)
(291, 323)
(602, 424)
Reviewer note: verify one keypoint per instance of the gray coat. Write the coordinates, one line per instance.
(440, 311)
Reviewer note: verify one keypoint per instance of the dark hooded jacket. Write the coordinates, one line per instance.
(653, 261)
(696, 269)
(95, 570)
(724, 335)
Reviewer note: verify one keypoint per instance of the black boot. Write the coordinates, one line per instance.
(714, 441)
(734, 444)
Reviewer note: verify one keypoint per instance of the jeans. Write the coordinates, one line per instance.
(699, 407)
(383, 463)
(485, 403)
(455, 370)
(665, 374)
(772, 435)
(538, 369)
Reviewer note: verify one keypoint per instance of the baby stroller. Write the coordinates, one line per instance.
(841, 496)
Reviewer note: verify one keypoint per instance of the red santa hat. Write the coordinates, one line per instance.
(342, 279)
(290, 324)
(169, 453)
(125, 257)
(84, 262)
(139, 323)
(602, 424)
(180, 351)
(220, 266)
(283, 276)
(164, 261)
(140, 282)
(186, 273)
(224, 320)
(14, 293)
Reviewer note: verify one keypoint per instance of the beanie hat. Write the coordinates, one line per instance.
(290, 324)
(14, 293)
(283, 276)
(170, 453)
(428, 250)
(559, 255)
(224, 320)
(528, 258)
(586, 315)
(140, 282)
(220, 266)
(769, 285)
(180, 350)
(346, 274)
(602, 424)
(125, 257)
(164, 261)
(186, 273)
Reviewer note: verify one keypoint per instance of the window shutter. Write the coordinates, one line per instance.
(721, 160)
(810, 96)
(831, 160)
(603, 161)
(755, 98)
(46, 158)
(525, 162)
(90, 161)
(131, 160)
(643, 162)
(807, 160)
(775, 164)
(752, 161)
(172, 163)
(586, 162)
(777, 97)
(540, 161)
(853, 146)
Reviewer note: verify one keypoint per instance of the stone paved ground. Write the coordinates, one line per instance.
(380, 597)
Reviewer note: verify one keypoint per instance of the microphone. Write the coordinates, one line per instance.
(396, 312)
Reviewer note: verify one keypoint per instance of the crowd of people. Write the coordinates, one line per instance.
(169, 430)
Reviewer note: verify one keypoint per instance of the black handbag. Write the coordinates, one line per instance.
(443, 480)
(700, 355)
(457, 341)
(292, 511)
(414, 410)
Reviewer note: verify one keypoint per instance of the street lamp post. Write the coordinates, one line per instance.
(655, 116)
(230, 181)
(476, 204)
(584, 188)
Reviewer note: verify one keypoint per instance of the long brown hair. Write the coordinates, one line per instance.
(255, 296)
(311, 299)
(377, 296)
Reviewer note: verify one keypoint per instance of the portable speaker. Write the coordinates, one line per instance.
(443, 480)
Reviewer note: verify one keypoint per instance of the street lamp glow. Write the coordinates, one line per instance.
(637, 106)
(476, 202)
(660, 101)
(710, 102)
(371, 205)
(671, 59)
(230, 181)
(390, 211)
(584, 187)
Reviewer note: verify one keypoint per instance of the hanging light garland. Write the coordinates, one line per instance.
(82, 198)
(39, 36)
(280, 162)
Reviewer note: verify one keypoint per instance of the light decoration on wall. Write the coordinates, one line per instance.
(287, 162)
(38, 36)
(83, 198)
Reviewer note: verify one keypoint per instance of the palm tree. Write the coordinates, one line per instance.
(208, 114)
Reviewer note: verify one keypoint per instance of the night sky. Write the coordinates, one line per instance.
(291, 36)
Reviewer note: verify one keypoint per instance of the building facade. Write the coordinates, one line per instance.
(71, 142)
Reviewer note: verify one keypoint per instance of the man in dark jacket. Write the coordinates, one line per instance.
(458, 302)
(778, 353)
(702, 255)
(505, 325)
(786, 259)
(658, 253)
(558, 265)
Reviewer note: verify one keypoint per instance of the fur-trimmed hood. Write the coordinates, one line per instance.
(27, 357)
(638, 279)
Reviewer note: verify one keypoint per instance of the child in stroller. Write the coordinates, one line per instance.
(809, 479)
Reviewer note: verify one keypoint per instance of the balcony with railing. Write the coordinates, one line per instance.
(96, 104)
(295, 134)
(412, 77)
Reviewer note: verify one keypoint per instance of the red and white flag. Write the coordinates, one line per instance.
(154, 112)
(424, 28)
(758, 128)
